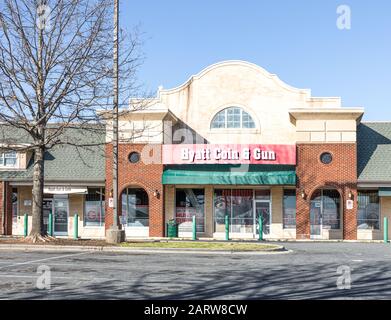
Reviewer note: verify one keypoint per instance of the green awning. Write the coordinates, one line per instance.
(384, 192)
(230, 174)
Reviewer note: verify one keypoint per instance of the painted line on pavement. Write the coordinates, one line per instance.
(45, 259)
(134, 250)
(2, 275)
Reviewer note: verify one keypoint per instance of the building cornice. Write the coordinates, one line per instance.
(305, 113)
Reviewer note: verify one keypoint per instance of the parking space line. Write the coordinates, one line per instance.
(2, 275)
(45, 259)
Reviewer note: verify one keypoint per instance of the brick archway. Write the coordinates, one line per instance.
(340, 174)
(339, 207)
(146, 176)
(140, 195)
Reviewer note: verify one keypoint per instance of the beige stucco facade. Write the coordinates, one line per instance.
(75, 205)
(282, 115)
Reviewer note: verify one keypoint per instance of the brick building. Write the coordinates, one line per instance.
(233, 140)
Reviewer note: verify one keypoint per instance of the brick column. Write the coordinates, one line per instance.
(340, 174)
(302, 216)
(350, 216)
(5, 208)
(144, 174)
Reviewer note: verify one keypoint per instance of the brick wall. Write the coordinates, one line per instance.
(146, 176)
(5, 209)
(340, 174)
(1, 208)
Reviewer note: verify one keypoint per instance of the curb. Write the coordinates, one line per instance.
(278, 250)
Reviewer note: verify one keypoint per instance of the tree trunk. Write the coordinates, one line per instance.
(37, 223)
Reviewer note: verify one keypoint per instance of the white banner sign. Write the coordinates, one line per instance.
(64, 189)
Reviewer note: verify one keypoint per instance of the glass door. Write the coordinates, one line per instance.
(47, 209)
(262, 208)
(316, 215)
(60, 217)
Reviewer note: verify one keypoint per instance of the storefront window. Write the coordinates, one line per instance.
(14, 205)
(262, 194)
(238, 205)
(94, 211)
(289, 208)
(135, 207)
(189, 203)
(368, 210)
(222, 208)
(242, 211)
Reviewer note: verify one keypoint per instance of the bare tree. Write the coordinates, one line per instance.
(56, 59)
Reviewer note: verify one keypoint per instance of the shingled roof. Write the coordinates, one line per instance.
(374, 151)
(65, 162)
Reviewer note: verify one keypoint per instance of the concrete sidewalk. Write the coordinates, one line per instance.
(32, 247)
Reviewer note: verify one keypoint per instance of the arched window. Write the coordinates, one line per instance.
(135, 207)
(232, 118)
(325, 211)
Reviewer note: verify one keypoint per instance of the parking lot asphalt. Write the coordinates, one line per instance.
(309, 271)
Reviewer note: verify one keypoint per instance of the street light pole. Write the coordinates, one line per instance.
(115, 234)
(115, 117)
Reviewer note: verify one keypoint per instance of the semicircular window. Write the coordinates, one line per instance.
(232, 118)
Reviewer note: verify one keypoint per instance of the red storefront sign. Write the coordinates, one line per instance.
(229, 154)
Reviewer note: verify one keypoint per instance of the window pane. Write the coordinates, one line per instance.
(368, 210)
(94, 207)
(331, 208)
(9, 159)
(262, 194)
(233, 117)
(222, 207)
(262, 209)
(189, 203)
(11, 154)
(233, 124)
(289, 208)
(247, 121)
(242, 218)
(93, 194)
(135, 207)
(10, 162)
(92, 213)
(14, 205)
(60, 215)
(219, 120)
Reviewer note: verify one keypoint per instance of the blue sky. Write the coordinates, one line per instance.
(296, 39)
